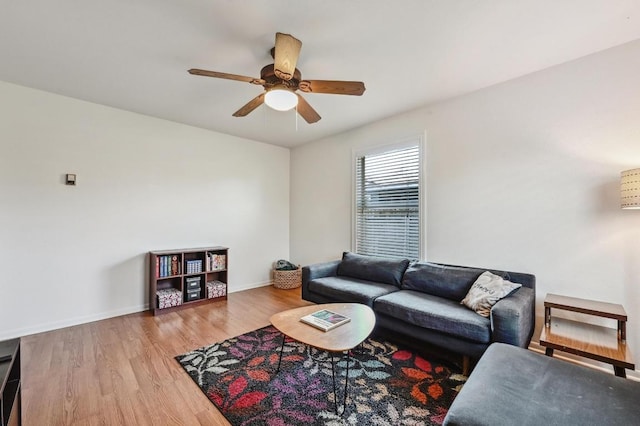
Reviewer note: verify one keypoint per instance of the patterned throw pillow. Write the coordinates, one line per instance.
(486, 292)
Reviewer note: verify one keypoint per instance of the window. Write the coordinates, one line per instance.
(387, 202)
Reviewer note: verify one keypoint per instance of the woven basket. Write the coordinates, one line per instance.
(287, 279)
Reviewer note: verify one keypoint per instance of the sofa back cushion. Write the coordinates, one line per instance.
(372, 268)
(453, 282)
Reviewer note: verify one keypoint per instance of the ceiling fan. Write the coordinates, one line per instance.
(282, 79)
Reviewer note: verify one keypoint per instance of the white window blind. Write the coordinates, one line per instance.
(387, 203)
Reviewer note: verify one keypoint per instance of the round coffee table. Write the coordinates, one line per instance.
(340, 339)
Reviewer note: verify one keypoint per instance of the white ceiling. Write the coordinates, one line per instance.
(134, 54)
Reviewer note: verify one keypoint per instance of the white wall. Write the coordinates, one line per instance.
(522, 176)
(74, 254)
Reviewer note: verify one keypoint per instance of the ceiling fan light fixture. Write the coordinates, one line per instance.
(281, 99)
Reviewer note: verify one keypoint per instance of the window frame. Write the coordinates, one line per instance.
(417, 140)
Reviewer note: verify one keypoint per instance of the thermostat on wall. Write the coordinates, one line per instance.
(71, 179)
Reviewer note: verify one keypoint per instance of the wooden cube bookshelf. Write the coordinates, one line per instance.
(187, 271)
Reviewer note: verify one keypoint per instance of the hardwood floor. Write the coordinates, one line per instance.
(121, 371)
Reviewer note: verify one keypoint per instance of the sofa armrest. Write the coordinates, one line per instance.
(320, 270)
(317, 270)
(513, 318)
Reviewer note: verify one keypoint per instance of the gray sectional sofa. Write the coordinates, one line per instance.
(513, 386)
(421, 301)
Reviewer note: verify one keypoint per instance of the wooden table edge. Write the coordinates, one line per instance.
(317, 333)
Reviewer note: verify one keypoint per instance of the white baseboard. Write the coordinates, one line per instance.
(249, 286)
(40, 328)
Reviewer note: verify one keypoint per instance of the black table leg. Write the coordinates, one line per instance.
(346, 382)
(335, 393)
(281, 349)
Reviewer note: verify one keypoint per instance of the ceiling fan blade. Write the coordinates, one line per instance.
(196, 71)
(332, 86)
(285, 56)
(250, 106)
(306, 111)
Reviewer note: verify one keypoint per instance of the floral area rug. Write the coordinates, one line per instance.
(388, 384)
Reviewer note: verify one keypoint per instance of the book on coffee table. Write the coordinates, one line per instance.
(325, 319)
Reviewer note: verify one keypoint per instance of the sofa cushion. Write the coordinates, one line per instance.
(350, 290)
(372, 268)
(486, 292)
(435, 313)
(452, 282)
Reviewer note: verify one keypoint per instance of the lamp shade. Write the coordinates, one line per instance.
(281, 99)
(630, 189)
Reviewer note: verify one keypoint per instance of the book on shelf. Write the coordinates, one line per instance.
(162, 265)
(167, 266)
(325, 319)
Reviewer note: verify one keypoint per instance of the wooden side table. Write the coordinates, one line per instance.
(588, 340)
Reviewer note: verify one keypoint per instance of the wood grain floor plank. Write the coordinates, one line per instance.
(122, 371)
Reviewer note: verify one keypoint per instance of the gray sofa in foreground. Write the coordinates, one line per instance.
(421, 301)
(514, 386)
